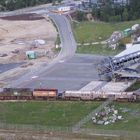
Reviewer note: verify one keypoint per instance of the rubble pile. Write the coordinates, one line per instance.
(107, 116)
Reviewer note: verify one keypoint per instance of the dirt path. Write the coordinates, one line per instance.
(30, 135)
(19, 34)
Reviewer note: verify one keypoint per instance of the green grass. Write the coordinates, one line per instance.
(56, 50)
(58, 41)
(134, 87)
(130, 122)
(98, 31)
(99, 49)
(59, 114)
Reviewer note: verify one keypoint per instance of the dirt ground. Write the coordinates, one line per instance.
(19, 34)
(17, 135)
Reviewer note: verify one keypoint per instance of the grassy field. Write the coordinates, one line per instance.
(98, 31)
(61, 114)
(87, 32)
(134, 87)
(65, 114)
(99, 49)
(131, 120)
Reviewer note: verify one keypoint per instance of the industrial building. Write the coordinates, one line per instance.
(123, 65)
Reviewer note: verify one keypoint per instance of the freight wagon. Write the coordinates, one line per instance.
(28, 94)
(45, 94)
(137, 96)
(52, 94)
(125, 96)
(99, 95)
(16, 94)
(80, 95)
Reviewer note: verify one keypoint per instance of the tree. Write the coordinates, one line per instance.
(125, 15)
(17, 4)
(96, 13)
(110, 11)
(135, 8)
(80, 16)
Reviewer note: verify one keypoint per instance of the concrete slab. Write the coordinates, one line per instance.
(132, 49)
(94, 85)
(107, 86)
(117, 86)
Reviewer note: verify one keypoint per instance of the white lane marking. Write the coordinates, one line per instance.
(34, 77)
(61, 61)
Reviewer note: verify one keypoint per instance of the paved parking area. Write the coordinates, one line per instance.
(6, 67)
(72, 74)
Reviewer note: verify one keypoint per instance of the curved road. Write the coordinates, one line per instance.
(66, 36)
(68, 50)
(68, 71)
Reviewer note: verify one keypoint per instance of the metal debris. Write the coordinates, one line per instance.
(107, 116)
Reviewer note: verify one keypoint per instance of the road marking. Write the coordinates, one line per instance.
(61, 61)
(34, 77)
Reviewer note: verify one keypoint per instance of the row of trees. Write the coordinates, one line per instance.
(9, 5)
(113, 12)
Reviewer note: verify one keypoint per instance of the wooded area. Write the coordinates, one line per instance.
(107, 12)
(114, 12)
(9, 5)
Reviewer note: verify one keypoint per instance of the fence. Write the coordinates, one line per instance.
(68, 130)
(89, 116)
(41, 128)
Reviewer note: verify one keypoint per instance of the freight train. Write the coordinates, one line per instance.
(53, 94)
(28, 94)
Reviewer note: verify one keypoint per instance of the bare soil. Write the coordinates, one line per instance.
(18, 36)
(23, 17)
(23, 135)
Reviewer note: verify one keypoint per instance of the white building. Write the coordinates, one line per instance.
(121, 2)
(64, 8)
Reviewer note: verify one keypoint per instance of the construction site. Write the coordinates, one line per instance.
(24, 44)
(60, 93)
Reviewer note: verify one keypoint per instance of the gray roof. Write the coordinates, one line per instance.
(134, 48)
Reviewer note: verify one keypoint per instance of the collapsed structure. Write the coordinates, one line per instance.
(118, 67)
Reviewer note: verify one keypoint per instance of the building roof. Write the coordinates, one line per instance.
(127, 30)
(134, 48)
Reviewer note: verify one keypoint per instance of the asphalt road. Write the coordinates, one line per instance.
(70, 74)
(67, 51)
(68, 42)
(67, 71)
(6, 67)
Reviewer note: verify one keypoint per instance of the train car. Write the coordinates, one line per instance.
(45, 94)
(52, 94)
(136, 95)
(71, 95)
(16, 94)
(100, 95)
(1, 90)
(124, 96)
(86, 95)
(81, 95)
